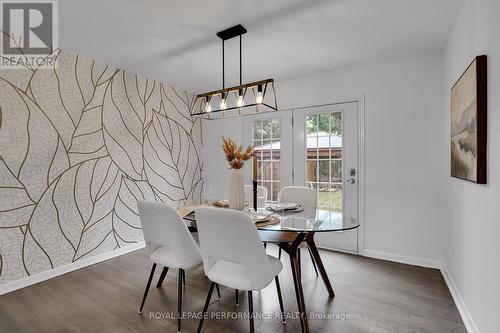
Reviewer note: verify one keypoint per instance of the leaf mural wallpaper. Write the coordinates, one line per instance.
(80, 144)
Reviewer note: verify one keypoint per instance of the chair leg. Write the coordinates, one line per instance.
(205, 307)
(279, 254)
(162, 277)
(265, 245)
(218, 292)
(314, 262)
(280, 299)
(250, 310)
(236, 296)
(147, 287)
(179, 299)
(300, 263)
(183, 278)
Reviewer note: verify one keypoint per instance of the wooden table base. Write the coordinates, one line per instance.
(290, 242)
(319, 263)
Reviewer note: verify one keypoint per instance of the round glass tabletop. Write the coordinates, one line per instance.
(322, 223)
(325, 221)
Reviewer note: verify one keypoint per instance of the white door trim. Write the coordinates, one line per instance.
(361, 174)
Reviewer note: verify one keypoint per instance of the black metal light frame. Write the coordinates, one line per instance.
(199, 107)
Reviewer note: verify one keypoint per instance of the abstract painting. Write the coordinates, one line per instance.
(468, 123)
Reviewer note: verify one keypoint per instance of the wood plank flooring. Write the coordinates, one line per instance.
(376, 296)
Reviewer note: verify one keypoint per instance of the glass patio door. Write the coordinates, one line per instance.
(315, 147)
(326, 159)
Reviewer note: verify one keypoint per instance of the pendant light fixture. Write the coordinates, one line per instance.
(236, 101)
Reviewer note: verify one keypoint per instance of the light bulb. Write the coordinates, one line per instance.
(239, 101)
(208, 107)
(223, 101)
(260, 97)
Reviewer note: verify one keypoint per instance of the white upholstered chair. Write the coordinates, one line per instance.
(233, 255)
(261, 195)
(308, 200)
(169, 244)
(305, 196)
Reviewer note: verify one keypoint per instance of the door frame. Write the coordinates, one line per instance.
(360, 100)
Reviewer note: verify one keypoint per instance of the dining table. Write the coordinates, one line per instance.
(289, 231)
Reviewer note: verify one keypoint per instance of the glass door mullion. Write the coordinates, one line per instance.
(329, 162)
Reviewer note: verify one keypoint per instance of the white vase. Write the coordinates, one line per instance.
(236, 194)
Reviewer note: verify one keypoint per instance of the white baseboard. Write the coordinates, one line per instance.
(469, 323)
(416, 261)
(60, 270)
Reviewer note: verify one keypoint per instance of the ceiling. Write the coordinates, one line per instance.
(174, 40)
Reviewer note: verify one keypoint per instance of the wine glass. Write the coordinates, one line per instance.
(206, 195)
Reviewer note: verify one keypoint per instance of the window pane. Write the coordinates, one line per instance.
(266, 129)
(336, 153)
(324, 171)
(324, 197)
(312, 124)
(276, 149)
(257, 151)
(276, 190)
(259, 170)
(266, 150)
(336, 198)
(324, 147)
(336, 171)
(336, 123)
(268, 186)
(276, 126)
(257, 129)
(266, 172)
(323, 123)
(312, 144)
(311, 171)
(276, 170)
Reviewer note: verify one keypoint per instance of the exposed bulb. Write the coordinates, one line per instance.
(208, 107)
(260, 97)
(222, 103)
(239, 101)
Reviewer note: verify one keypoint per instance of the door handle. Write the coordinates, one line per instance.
(351, 180)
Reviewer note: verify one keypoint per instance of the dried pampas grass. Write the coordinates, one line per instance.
(234, 154)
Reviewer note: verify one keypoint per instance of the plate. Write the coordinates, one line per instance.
(260, 216)
(283, 206)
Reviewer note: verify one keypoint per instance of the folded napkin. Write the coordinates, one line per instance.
(221, 203)
(185, 211)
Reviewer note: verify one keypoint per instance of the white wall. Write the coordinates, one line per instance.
(215, 168)
(472, 235)
(404, 148)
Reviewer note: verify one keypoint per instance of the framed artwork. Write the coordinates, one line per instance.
(468, 123)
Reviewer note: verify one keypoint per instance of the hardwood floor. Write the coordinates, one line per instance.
(376, 296)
